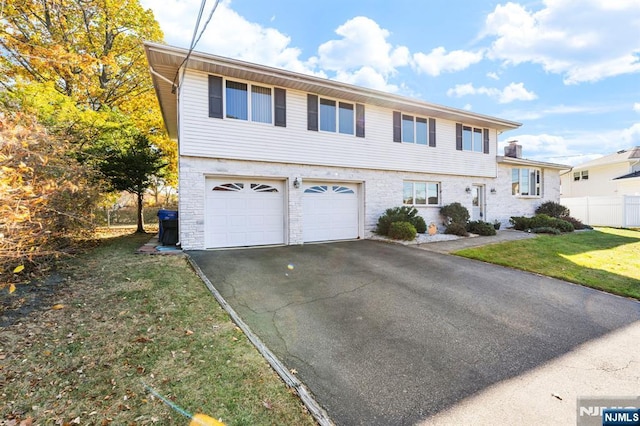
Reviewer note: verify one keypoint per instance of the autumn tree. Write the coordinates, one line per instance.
(91, 52)
(46, 197)
(132, 168)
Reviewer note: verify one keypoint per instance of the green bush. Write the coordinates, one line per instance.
(522, 223)
(546, 230)
(455, 213)
(402, 231)
(400, 214)
(455, 228)
(577, 224)
(481, 228)
(553, 209)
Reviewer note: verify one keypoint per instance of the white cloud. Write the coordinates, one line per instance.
(512, 92)
(229, 34)
(493, 76)
(439, 61)
(363, 55)
(636, 107)
(584, 40)
(575, 147)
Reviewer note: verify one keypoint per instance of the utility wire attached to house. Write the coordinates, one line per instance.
(194, 40)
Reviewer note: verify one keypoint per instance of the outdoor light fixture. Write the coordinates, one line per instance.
(296, 183)
(468, 190)
(493, 190)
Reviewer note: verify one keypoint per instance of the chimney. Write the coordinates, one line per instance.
(513, 150)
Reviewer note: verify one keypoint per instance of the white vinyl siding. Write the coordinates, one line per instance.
(202, 136)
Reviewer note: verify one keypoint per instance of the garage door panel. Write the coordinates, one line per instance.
(330, 212)
(242, 212)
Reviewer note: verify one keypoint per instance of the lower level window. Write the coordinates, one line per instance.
(421, 193)
(525, 182)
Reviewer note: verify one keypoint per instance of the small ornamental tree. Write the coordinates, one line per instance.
(133, 168)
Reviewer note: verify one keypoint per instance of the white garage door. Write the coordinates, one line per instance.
(330, 211)
(240, 212)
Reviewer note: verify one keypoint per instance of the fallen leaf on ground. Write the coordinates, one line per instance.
(294, 371)
(58, 306)
(188, 332)
(267, 404)
(12, 288)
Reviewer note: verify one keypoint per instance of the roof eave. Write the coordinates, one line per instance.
(534, 163)
(166, 61)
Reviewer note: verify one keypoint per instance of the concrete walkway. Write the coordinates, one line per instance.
(467, 242)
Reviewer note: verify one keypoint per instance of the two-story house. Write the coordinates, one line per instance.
(611, 175)
(268, 156)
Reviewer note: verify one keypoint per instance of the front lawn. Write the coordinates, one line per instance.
(80, 347)
(607, 259)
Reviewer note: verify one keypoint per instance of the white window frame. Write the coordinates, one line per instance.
(337, 116)
(477, 139)
(427, 188)
(249, 101)
(584, 175)
(414, 119)
(528, 172)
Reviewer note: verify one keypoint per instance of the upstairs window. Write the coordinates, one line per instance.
(248, 102)
(576, 175)
(472, 139)
(526, 182)
(329, 115)
(410, 129)
(585, 174)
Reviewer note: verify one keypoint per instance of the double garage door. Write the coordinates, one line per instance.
(251, 212)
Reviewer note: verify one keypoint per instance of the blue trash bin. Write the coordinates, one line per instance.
(165, 215)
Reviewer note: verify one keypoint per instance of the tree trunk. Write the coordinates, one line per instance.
(140, 220)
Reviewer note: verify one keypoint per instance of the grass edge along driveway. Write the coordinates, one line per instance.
(606, 259)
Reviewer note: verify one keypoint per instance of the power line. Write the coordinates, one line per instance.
(194, 39)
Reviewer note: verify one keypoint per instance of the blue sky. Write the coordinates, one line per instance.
(568, 70)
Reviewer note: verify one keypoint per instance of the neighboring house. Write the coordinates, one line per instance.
(614, 174)
(268, 156)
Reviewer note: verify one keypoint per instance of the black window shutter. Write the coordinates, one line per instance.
(486, 141)
(312, 112)
(397, 132)
(215, 96)
(280, 102)
(360, 120)
(432, 132)
(459, 136)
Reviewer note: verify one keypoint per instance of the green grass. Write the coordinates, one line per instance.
(607, 259)
(128, 319)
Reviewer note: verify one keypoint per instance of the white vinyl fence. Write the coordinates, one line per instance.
(621, 211)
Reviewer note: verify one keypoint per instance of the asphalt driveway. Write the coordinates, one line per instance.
(387, 334)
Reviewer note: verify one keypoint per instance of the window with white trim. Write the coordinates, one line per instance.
(584, 175)
(408, 128)
(526, 182)
(472, 139)
(576, 175)
(247, 102)
(421, 193)
(239, 104)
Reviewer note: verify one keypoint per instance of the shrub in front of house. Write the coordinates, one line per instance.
(577, 223)
(522, 223)
(455, 213)
(402, 231)
(553, 209)
(401, 214)
(546, 230)
(481, 228)
(455, 228)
